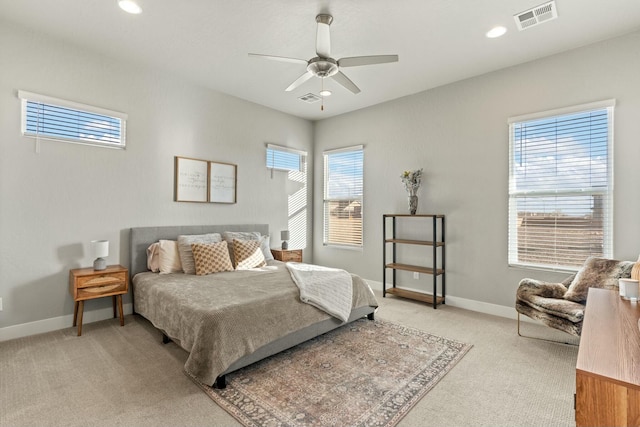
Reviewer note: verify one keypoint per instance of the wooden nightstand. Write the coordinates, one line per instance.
(284, 255)
(87, 283)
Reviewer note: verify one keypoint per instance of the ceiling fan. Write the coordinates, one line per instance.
(323, 65)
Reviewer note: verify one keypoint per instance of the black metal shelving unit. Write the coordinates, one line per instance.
(436, 269)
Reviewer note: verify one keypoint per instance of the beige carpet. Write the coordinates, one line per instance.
(125, 376)
(364, 373)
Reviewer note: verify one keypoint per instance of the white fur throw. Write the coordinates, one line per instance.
(329, 289)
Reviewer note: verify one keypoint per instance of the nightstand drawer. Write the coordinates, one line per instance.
(101, 280)
(287, 255)
(294, 256)
(108, 287)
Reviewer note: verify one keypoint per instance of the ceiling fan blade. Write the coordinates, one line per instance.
(344, 81)
(356, 61)
(323, 36)
(279, 58)
(303, 78)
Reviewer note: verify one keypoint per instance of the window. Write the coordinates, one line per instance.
(560, 186)
(44, 117)
(343, 196)
(283, 158)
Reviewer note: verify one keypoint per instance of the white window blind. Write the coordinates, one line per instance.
(45, 117)
(284, 158)
(560, 186)
(343, 188)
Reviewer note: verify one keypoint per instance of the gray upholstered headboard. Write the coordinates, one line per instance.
(141, 237)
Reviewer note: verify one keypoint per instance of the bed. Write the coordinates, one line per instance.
(229, 320)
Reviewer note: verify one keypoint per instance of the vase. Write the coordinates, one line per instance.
(413, 204)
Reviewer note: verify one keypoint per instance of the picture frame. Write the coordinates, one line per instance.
(191, 180)
(222, 182)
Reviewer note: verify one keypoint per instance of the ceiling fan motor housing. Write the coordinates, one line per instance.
(322, 67)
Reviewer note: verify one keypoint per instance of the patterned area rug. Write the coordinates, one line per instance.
(364, 373)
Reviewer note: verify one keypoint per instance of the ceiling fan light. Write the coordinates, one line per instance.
(496, 32)
(130, 6)
(325, 92)
(322, 67)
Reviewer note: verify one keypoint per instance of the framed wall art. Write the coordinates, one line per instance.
(191, 180)
(222, 182)
(203, 181)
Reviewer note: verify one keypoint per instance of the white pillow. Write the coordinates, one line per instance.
(153, 257)
(169, 257)
(266, 249)
(186, 254)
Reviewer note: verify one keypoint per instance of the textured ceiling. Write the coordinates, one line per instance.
(207, 41)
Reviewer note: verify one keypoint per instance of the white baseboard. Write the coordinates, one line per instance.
(469, 304)
(56, 323)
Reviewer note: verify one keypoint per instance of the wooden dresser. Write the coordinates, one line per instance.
(608, 367)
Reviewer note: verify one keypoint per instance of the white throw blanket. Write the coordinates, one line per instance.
(329, 289)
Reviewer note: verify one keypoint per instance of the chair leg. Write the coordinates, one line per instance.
(542, 339)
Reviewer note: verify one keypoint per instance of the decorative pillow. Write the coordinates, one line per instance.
(169, 257)
(184, 248)
(211, 258)
(597, 273)
(247, 254)
(240, 235)
(635, 271)
(153, 257)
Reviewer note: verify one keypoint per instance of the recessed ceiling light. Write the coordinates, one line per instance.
(496, 32)
(325, 92)
(130, 6)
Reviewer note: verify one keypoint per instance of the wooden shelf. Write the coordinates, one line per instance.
(414, 216)
(415, 268)
(419, 296)
(415, 242)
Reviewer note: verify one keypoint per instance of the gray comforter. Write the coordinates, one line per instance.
(222, 317)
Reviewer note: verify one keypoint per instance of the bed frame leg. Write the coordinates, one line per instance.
(165, 339)
(371, 316)
(220, 382)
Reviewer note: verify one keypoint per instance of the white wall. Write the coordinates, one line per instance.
(458, 133)
(53, 203)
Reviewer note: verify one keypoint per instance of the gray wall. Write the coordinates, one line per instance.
(458, 133)
(53, 203)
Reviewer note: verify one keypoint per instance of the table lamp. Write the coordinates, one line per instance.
(284, 236)
(100, 249)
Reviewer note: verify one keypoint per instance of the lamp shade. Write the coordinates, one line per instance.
(100, 248)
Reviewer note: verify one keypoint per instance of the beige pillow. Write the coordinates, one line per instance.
(249, 235)
(240, 235)
(153, 257)
(211, 258)
(184, 248)
(247, 254)
(597, 273)
(169, 257)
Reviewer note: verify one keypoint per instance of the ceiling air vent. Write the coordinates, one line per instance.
(536, 16)
(309, 98)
